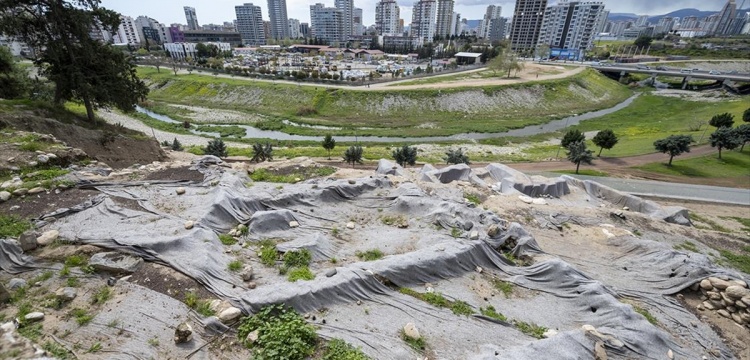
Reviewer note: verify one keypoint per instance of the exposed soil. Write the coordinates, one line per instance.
(167, 281)
(34, 206)
(180, 173)
(114, 145)
(733, 335)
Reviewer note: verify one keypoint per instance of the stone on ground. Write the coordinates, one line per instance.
(48, 237)
(410, 331)
(183, 333)
(34, 316)
(28, 241)
(16, 283)
(247, 273)
(4, 196)
(252, 337)
(66, 294)
(180, 190)
(229, 314)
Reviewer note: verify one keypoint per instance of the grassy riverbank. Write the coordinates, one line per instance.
(391, 112)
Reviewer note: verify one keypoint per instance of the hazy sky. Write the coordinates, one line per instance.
(218, 11)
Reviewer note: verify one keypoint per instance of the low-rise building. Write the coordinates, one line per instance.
(182, 51)
(196, 36)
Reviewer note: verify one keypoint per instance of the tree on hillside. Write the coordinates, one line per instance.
(329, 143)
(353, 155)
(262, 152)
(14, 81)
(674, 145)
(506, 60)
(216, 148)
(605, 139)
(572, 136)
(722, 120)
(643, 41)
(743, 133)
(83, 69)
(577, 154)
(456, 156)
(725, 138)
(746, 115)
(406, 155)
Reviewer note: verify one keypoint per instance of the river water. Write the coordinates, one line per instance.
(552, 126)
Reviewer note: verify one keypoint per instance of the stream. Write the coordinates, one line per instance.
(552, 126)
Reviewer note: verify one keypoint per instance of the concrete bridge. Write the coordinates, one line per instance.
(727, 80)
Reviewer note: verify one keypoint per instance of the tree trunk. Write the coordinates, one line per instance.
(670, 159)
(600, 152)
(89, 108)
(719, 152)
(578, 164)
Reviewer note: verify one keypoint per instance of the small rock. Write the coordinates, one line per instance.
(731, 309)
(539, 201)
(739, 304)
(474, 235)
(706, 285)
(48, 237)
(36, 190)
(736, 292)
(600, 353)
(66, 294)
(247, 273)
(293, 224)
(526, 199)
(719, 283)
(352, 182)
(14, 208)
(410, 331)
(693, 324)
(680, 297)
(252, 337)
(670, 354)
(479, 269)
(252, 285)
(626, 208)
(549, 333)
(28, 241)
(180, 190)
(42, 159)
(708, 306)
(16, 283)
(4, 196)
(700, 307)
(331, 272)
(739, 282)
(493, 230)
(35, 316)
(350, 225)
(746, 300)
(738, 319)
(20, 192)
(189, 224)
(724, 313)
(183, 333)
(229, 314)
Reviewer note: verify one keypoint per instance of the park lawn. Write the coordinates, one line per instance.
(733, 164)
(422, 112)
(651, 117)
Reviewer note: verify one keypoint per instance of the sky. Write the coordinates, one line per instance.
(218, 11)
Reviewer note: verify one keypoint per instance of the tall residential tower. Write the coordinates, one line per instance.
(527, 22)
(279, 19)
(387, 14)
(192, 18)
(443, 25)
(423, 18)
(572, 25)
(250, 24)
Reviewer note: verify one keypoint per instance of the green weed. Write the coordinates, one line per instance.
(12, 226)
(473, 198)
(282, 333)
(370, 255)
(646, 314)
(338, 349)
(530, 329)
(235, 266)
(81, 316)
(299, 258)
(102, 295)
(227, 239)
(505, 287)
(416, 344)
(300, 273)
(490, 312)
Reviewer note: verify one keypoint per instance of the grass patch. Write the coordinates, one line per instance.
(31, 331)
(738, 261)
(102, 295)
(416, 344)
(282, 333)
(338, 349)
(42, 277)
(687, 245)
(266, 175)
(56, 350)
(370, 255)
(81, 316)
(743, 221)
(473, 198)
(587, 172)
(299, 258)
(300, 273)
(227, 239)
(646, 314)
(530, 329)
(12, 226)
(76, 261)
(235, 265)
(711, 225)
(200, 306)
(223, 131)
(94, 348)
(490, 312)
(458, 307)
(733, 164)
(503, 286)
(268, 253)
(153, 342)
(398, 221)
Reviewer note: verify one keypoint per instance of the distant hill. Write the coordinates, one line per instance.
(677, 13)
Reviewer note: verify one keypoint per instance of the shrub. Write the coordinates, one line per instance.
(176, 145)
(262, 152)
(353, 155)
(300, 273)
(12, 227)
(370, 255)
(268, 253)
(235, 266)
(406, 155)
(572, 136)
(227, 239)
(282, 334)
(456, 156)
(297, 258)
(216, 148)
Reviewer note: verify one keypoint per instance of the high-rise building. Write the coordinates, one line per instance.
(444, 18)
(387, 15)
(294, 29)
(493, 12)
(424, 13)
(604, 23)
(326, 23)
(527, 22)
(358, 27)
(347, 17)
(642, 21)
(304, 30)
(497, 29)
(192, 18)
(727, 14)
(127, 32)
(571, 25)
(250, 24)
(279, 20)
(152, 31)
(456, 24)
(689, 22)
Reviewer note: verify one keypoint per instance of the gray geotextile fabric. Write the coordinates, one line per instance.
(599, 192)
(386, 167)
(12, 259)
(460, 172)
(412, 228)
(509, 180)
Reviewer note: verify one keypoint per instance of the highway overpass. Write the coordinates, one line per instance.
(623, 69)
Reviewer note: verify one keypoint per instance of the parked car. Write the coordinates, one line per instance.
(686, 71)
(643, 67)
(661, 68)
(714, 72)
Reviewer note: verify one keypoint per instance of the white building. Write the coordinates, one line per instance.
(326, 23)
(387, 14)
(279, 20)
(424, 14)
(250, 24)
(642, 21)
(347, 17)
(443, 25)
(493, 12)
(358, 29)
(456, 24)
(294, 32)
(571, 25)
(153, 30)
(127, 32)
(182, 51)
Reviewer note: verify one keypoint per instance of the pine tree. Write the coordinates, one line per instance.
(176, 146)
(329, 143)
(353, 155)
(572, 136)
(216, 148)
(405, 155)
(577, 154)
(722, 120)
(456, 156)
(674, 145)
(605, 139)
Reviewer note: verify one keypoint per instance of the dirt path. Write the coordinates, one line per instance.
(530, 73)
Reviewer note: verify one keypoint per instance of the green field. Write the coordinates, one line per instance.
(733, 164)
(653, 117)
(424, 112)
(477, 75)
